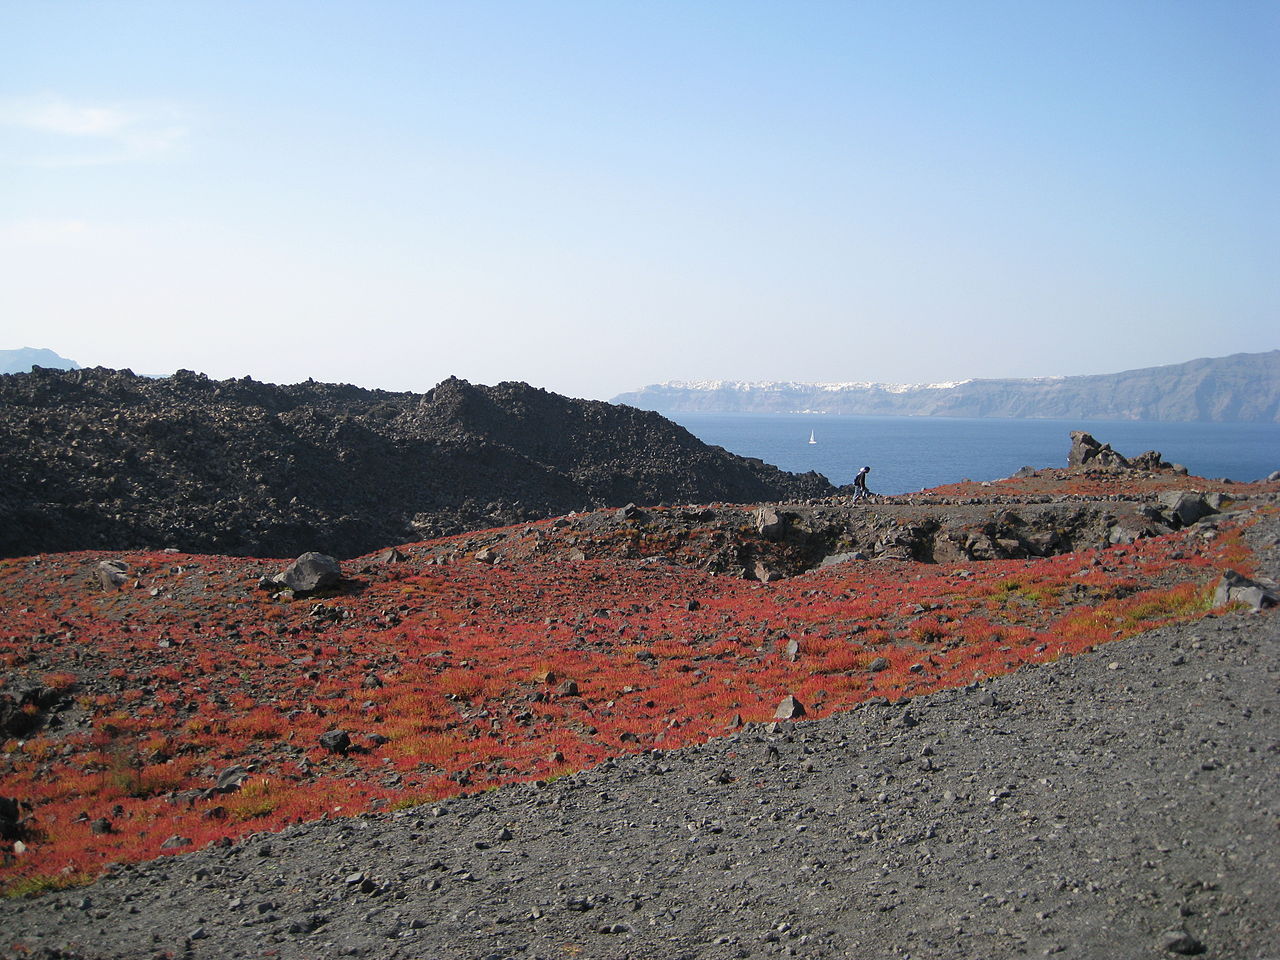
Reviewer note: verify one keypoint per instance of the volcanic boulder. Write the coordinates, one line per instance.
(1237, 588)
(1184, 509)
(310, 572)
(1086, 451)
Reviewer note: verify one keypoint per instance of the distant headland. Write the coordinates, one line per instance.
(23, 359)
(1244, 387)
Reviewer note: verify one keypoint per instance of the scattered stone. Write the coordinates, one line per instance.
(112, 574)
(765, 573)
(1151, 461)
(1178, 940)
(9, 818)
(336, 741)
(1184, 509)
(789, 709)
(771, 523)
(230, 779)
(837, 558)
(1237, 588)
(310, 572)
(877, 665)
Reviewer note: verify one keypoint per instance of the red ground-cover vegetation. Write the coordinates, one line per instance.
(465, 676)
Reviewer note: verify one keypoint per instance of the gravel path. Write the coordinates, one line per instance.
(1124, 803)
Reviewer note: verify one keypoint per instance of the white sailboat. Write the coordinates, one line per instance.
(812, 438)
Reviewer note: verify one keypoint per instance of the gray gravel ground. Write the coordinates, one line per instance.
(1123, 803)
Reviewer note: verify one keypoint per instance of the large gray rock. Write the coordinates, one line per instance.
(311, 571)
(789, 709)
(771, 523)
(1177, 940)
(230, 779)
(112, 574)
(1184, 509)
(629, 512)
(1237, 588)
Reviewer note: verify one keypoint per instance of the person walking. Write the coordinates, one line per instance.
(860, 484)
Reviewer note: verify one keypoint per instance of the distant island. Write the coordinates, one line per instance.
(22, 360)
(1244, 387)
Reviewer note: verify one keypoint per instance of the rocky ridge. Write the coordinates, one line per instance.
(984, 521)
(104, 459)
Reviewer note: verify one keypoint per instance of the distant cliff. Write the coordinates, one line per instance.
(1242, 387)
(21, 361)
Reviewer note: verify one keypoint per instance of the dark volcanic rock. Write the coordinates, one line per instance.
(1086, 451)
(104, 459)
(310, 572)
(9, 818)
(336, 741)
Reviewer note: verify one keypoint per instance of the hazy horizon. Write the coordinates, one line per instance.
(593, 198)
(638, 387)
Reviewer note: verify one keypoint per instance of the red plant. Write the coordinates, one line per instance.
(466, 676)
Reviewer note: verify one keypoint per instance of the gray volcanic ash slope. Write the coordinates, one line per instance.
(105, 459)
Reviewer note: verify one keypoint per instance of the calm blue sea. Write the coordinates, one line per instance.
(907, 454)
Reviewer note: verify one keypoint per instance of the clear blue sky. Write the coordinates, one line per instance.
(594, 196)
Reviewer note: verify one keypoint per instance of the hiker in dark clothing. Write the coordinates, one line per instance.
(860, 484)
